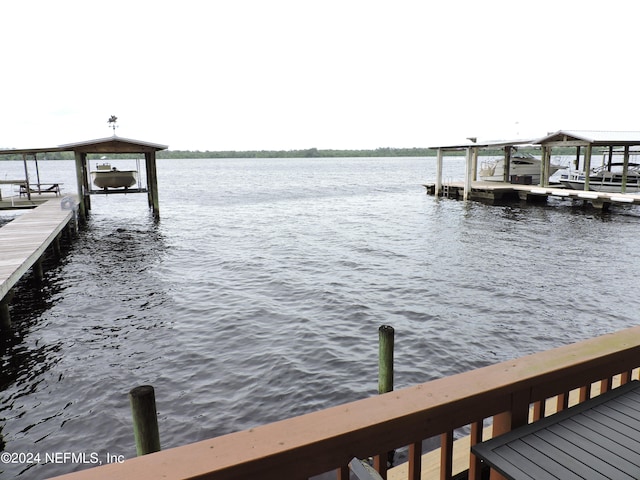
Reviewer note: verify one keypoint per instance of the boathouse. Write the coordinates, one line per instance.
(584, 143)
(81, 150)
(116, 145)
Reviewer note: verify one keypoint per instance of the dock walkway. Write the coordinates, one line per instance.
(24, 240)
(496, 191)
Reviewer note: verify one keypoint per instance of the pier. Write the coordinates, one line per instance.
(24, 241)
(81, 151)
(584, 143)
(496, 192)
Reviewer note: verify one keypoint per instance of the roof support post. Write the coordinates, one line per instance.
(474, 165)
(152, 183)
(438, 173)
(467, 175)
(587, 166)
(26, 175)
(625, 169)
(35, 161)
(544, 166)
(507, 164)
(83, 185)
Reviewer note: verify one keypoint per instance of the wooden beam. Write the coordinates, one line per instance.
(587, 166)
(625, 169)
(506, 176)
(152, 183)
(467, 175)
(81, 179)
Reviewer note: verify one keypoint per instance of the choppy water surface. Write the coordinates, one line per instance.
(259, 294)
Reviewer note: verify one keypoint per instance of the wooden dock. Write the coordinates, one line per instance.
(503, 192)
(24, 240)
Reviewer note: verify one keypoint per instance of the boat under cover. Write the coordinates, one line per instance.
(607, 178)
(523, 165)
(105, 176)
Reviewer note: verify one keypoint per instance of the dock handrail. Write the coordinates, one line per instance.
(311, 444)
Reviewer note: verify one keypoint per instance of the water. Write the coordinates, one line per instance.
(259, 293)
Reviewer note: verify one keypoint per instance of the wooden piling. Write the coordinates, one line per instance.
(38, 271)
(56, 246)
(145, 419)
(5, 316)
(385, 359)
(386, 335)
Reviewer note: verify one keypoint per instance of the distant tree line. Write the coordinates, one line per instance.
(306, 153)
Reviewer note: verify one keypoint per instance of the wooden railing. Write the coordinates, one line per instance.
(510, 393)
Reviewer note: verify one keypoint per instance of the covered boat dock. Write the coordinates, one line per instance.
(81, 150)
(585, 144)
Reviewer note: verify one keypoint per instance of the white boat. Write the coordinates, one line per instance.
(524, 167)
(606, 178)
(105, 176)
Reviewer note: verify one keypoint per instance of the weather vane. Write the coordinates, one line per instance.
(112, 123)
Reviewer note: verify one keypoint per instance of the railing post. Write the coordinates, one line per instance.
(145, 419)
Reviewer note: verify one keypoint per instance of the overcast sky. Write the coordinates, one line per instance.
(294, 74)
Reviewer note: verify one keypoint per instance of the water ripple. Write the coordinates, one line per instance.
(259, 294)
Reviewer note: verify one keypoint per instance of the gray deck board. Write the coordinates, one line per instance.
(599, 438)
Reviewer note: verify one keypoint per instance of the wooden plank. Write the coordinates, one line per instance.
(24, 240)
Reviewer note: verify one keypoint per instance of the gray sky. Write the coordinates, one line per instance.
(293, 74)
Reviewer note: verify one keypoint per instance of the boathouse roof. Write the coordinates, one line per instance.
(113, 144)
(486, 144)
(561, 138)
(597, 138)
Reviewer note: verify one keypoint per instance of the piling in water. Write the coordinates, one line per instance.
(385, 359)
(145, 419)
(5, 314)
(386, 336)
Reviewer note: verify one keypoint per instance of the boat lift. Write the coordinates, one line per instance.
(139, 188)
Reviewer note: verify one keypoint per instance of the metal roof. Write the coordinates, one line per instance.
(593, 137)
(112, 144)
(598, 138)
(487, 144)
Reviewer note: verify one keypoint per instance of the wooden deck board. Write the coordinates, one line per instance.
(497, 189)
(25, 239)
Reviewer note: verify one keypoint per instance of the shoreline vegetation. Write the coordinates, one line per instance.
(305, 153)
